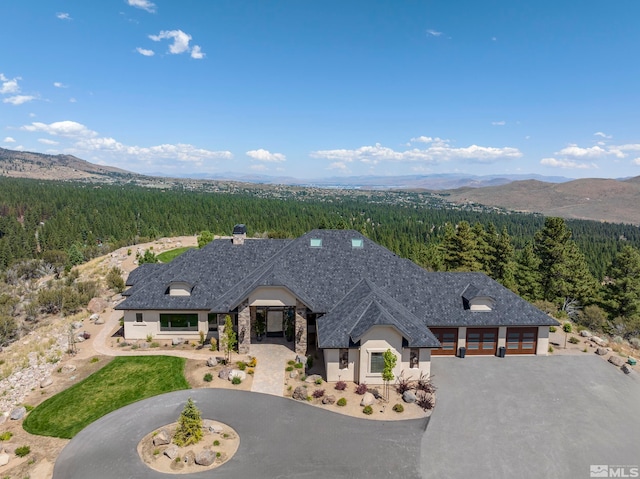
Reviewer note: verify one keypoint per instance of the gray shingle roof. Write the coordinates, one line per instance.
(355, 287)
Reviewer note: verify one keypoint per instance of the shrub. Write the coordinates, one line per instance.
(250, 371)
(22, 451)
(94, 360)
(29, 407)
(342, 402)
(291, 362)
(310, 362)
(253, 363)
(208, 377)
(216, 443)
(398, 407)
(288, 369)
(341, 386)
(550, 349)
(425, 384)
(298, 365)
(425, 401)
(403, 384)
(189, 429)
(242, 365)
(134, 346)
(149, 338)
(308, 398)
(203, 338)
(319, 381)
(303, 377)
(368, 410)
(318, 393)
(552, 329)
(5, 436)
(574, 340)
(566, 327)
(361, 388)
(218, 454)
(214, 344)
(156, 452)
(635, 343)
(114, 280)
(618, 339)
(236, 380)
(154, 345)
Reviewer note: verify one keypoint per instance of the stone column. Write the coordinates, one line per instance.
(244, 327)
(301, 328)
(221, 317)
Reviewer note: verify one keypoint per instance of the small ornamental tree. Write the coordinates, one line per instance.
(387, 373)
(205, 237)
(229, 340)
(189, 425)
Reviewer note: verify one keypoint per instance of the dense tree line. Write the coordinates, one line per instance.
(64, 224)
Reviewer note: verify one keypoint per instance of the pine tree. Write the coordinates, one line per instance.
(622, 291)
(461, 250)
(189, 429)
(527, 274)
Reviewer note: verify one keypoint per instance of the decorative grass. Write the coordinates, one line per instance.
(172, 254)
(123, 381)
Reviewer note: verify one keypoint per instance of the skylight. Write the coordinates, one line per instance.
(357, 243)
(316, 242)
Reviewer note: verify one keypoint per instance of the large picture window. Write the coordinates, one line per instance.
(377, 363)
(178, 322)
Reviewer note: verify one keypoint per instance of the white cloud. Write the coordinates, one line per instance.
(592, 152)
(8, 139)
(9, 85)
(67, 129)
(636, 161)
(436, 152)
(180, 40)
(145, 52)
(63, 16)
(19, 99)
(58, 84)
(338, 165)
(434, 33)
(46, 141)
(602, 135)
(628, 147)
(266, 156)
(197, 53)
(143, 4)
(499, 123)
(258, 167)
(566, 164)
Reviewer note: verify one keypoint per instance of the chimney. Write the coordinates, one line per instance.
(239, 234)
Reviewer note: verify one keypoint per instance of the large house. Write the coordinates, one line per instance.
(335, 291)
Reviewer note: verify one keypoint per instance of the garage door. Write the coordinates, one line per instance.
(448, 337)
(522, 340)
(482, 340)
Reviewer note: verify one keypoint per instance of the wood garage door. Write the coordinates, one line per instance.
(482, 340)
(522, 340)
(448, 337)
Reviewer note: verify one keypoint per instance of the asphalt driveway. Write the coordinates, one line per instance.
(279, 438)
(528, 417)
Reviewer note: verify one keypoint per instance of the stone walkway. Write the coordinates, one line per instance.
(272, 360)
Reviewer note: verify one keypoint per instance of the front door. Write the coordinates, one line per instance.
(275, 322)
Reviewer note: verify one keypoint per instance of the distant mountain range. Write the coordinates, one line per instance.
(611, 200)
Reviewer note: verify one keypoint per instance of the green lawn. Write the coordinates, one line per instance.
(172, 254)
(123, 381)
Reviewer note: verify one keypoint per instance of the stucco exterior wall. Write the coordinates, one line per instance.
(502, 337)
(424, 363)
(332, 365)
(150, 325)
(462, 338)
(271, 296)
(543, 341)
(377, 340)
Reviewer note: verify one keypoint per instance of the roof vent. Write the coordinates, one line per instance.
(239, 234)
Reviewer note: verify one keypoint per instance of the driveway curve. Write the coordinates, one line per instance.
(279, 438)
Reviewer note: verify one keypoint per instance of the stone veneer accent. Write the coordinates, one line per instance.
(301, 328)
(244, 327)
(221, 317)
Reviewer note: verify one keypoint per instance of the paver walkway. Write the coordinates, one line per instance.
(272, 360)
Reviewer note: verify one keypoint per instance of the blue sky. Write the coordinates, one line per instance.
(322, 88)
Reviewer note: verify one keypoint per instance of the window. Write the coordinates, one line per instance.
(344, 359)
(315, 242)
(212, 318)
(357, 243)
(138, 317)
(414, 358)
(178, 322)
(377, 363)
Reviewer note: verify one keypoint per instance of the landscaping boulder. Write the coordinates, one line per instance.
(409, 397)
(94, 316)
(162, 438)
(300, 394)
(616, 360)
(18, 413)
(293, 374)
(3, 418)
(144, 345)
(627, 369)
(80, 338)
(331, 399)
(171, 452)
(69, 368)
(76, 324)
(189, 458)
(205, 457)
(368, 399)
(598, 341)
(236, 373)
(46, 382)
(4, 459)
(301, 359)
(97, 305)
(99, 321)
(215, 428)
(312, 379)
(177, 341)
(602, 351)
(585, 334)
(211, 362)
(224, 373)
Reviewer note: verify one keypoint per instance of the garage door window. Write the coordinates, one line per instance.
(473, 341)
